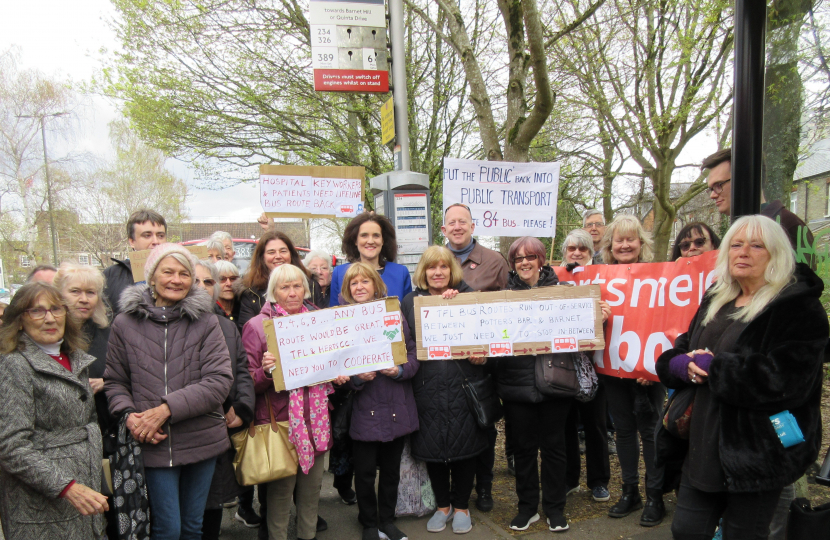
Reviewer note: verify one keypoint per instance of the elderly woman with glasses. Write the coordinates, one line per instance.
(228, 277)
(577, 249)
(50, 442)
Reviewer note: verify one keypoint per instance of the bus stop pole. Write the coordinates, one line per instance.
(396, 35)
(748, 106)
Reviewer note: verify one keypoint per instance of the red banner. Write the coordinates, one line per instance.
(651, 304)
(351, 80)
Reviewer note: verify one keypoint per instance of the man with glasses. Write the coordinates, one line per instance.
(719, 165)
(593, 221)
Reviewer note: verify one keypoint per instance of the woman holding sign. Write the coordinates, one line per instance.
(287, 294)
(449, 438)
(370, 239)
(273, 249)
(635, 405)
(753, 355)
(383, 414)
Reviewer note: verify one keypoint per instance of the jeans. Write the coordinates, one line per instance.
(597, 464)
(628, 421)
(375, 509)
(463, 474)
(746, 516)
(177, 499)
(539, 427)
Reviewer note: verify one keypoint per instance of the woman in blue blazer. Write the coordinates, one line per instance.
(370, 239)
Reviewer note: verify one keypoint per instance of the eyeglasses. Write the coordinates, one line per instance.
(39, 313)
(594, 225)
(207, 282)
(571, 249)
(517, 260)
(717, 187)
(232, 279)
(698, 242)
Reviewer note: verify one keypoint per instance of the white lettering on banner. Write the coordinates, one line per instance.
(305, 194)
(625, 347)
(506, 199)
(321, 345)
(501, 325)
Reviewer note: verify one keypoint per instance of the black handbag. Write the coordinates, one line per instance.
(807, 522)
(341, 416)
(677, 414)
(482, 398)
(556, 375)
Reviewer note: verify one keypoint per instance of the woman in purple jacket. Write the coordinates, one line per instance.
(383, 413)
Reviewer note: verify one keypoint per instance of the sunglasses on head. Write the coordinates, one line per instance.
(698, 242)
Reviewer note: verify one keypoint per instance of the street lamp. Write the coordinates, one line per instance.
(42, 119)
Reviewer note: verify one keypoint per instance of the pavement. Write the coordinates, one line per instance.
(342, 522)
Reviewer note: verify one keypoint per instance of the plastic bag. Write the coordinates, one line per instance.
(415, 496)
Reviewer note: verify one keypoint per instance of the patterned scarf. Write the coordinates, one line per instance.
(318, 405)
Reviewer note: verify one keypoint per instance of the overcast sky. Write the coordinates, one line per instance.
(63, 40)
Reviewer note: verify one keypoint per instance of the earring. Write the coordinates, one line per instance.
(153, 290)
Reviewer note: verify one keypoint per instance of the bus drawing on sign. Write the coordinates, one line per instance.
(564, 344)
(501, 349)
(392, 320)
(439, 351)
(346, 208)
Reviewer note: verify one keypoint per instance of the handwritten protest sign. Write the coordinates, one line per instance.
(651, 304)
(506, 199)
(311, 192)
(139, 258)
(318, 346)
(504, 323)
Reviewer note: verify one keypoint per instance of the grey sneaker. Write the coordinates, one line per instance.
(438, 521)
(461, 522)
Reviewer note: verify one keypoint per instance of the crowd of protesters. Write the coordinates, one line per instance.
(167, 370)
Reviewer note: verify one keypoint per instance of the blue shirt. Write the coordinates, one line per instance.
(395, 276)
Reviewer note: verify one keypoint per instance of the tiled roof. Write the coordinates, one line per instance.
(817, 161)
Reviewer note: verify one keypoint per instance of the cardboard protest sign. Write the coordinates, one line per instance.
(320, 345)
(651, 304)
(311, 192)
(505, 198)
(504, 323)
(138, 258)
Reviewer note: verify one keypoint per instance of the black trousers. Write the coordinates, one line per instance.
(486, 460)
(462, 473)
(592, 414)
(375, 509)
(211, 524)
(536, 427)
(746, 516)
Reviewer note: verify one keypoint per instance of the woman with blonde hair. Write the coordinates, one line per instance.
(753, 354)
(449, 439)
(635, 405)
(626, 242)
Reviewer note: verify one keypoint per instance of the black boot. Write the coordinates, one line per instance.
(485, 499)
(654, 510)
(629, 501)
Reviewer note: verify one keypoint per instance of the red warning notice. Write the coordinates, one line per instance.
(351, 80)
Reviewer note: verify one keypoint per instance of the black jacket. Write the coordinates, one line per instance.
(774, 366)
(98, 338)
(448, 431)
(516, 375)
(119, 277)
(252, 299)
(224, 486)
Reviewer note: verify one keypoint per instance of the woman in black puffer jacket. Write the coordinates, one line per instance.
(536, 421)
(449, 438)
